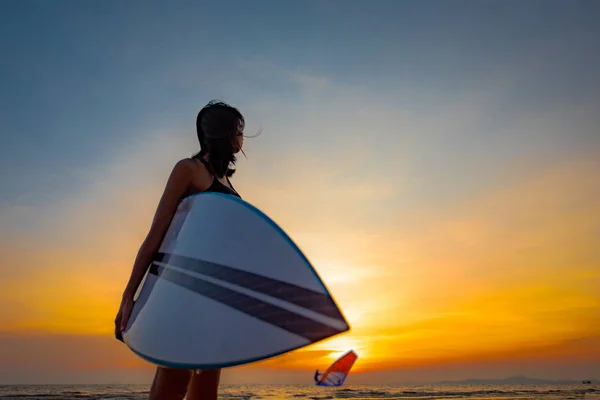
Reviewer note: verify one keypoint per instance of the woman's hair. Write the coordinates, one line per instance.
(217, 125)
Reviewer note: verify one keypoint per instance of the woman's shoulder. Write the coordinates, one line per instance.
(196, 171)
(190, 164)
(183, 168)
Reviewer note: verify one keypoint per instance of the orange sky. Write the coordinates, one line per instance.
(510, 272)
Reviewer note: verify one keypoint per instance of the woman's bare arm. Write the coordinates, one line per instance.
(177, 185)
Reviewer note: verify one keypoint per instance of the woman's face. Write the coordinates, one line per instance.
(239, 138)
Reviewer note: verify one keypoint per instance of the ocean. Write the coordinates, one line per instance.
(281, 392)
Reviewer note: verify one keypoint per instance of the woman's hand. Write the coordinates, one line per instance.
(123, 317)
(118, 323)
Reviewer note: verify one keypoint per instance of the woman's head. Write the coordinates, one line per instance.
(220, 129)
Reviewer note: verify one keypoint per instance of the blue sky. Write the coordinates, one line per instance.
(421, 118)
(83, 79)
(79, 78)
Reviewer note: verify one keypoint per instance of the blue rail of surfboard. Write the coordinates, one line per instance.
(211, 366)
(246, 361)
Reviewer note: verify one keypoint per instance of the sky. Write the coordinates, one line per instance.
(438, 162)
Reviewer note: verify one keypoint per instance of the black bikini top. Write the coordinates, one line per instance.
(217, 186)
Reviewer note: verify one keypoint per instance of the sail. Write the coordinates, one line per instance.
(338, 371)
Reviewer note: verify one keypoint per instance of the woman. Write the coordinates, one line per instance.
(220, 134)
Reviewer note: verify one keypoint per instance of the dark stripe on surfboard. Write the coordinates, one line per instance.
(318, 302)
(285, 319)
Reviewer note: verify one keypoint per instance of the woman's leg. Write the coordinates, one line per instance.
(169, 384)
(204, 385)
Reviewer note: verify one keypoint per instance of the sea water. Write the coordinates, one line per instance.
(281, 392)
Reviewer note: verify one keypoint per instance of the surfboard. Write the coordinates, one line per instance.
(228, 287)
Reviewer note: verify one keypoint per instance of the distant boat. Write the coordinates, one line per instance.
(336, 374)
(586, 382)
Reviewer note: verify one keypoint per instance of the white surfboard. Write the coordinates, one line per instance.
(228, 287)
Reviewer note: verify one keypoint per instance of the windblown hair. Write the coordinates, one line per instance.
(217, 125)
